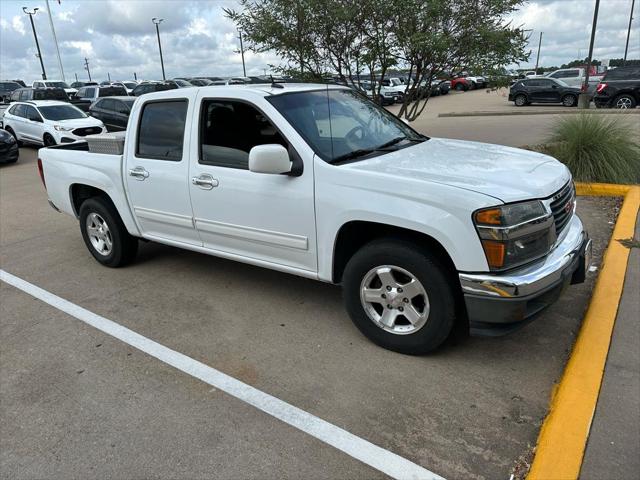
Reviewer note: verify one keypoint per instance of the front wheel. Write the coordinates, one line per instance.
(399, 296)
(48, 140)
(459, 87)
(520, 100)
(105, 235)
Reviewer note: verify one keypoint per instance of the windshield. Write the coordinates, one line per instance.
(61, 112)
(342, 124)
(57, 84)
(129, 84)
(564, 84)
(183, 83)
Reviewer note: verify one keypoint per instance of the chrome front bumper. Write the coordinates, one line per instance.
(499, 303)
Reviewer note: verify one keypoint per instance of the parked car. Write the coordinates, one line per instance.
(112, 111)
(49, 122)
(6, 88)
(460, 84)
(575, 77)
(126, 84)
(54, 84)
(9, 151)
(619, 88)
(25, 94)
(199, 82)
(78, 85)
(181, 83)
(149, 87)
(318, 181)
(92, 93)
(543, 90)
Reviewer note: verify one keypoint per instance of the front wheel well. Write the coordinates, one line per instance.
(354, 235)
(80, 193)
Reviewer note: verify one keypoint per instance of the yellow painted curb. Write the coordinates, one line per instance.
(564, 433)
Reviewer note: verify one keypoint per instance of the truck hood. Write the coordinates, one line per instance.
(508, 174)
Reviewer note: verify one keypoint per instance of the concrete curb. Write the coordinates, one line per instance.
(599, 111)
(565, 431)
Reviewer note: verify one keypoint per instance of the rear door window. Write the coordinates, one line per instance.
(107, 104)
(161, 130)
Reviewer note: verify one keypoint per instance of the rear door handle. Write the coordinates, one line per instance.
(139, 173)
(204, 181)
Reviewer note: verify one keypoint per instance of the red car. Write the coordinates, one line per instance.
(460, 84)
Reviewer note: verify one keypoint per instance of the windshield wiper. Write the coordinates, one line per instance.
(355, 154)
(398, 140)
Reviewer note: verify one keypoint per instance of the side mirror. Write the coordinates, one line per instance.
(272, 158)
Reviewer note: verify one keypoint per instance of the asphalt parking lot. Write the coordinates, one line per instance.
(77, 403)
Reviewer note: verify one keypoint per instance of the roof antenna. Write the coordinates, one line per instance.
(274, 84)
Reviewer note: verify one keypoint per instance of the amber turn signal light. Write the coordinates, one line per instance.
(491, 216)
(495, 252)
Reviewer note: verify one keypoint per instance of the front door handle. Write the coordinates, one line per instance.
(139, 173)
(204, 181)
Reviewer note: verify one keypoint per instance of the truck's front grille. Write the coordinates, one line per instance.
(81, 132)
(561, 205)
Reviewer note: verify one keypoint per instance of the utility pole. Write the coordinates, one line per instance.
(626, 47)
(35, 35)
(538, 56)
(244, 69)
(109, 77)
(135, 76)
(583, 99)
(76, 76)
(86, 67)
(55, 41)
(156, 22)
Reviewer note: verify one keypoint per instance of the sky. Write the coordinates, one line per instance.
(118, 37)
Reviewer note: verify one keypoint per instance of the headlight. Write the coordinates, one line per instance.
(514, 234)
(60, 128)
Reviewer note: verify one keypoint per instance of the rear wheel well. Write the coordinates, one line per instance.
(80, 193)
(354, 235)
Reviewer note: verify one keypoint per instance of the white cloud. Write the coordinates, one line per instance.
(18, 25)
(86, 48)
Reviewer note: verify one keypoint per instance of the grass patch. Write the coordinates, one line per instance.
(596, 148)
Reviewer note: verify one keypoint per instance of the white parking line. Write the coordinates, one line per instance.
(358, 448)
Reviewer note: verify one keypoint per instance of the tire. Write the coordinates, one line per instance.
(433, 310)
(10, 130)
(459, 87)
(48, 140)
(99, 212)
(520, 100)
(624, 101)
(472, 85)
(569, 101)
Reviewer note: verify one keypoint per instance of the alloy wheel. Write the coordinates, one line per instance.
(99, 234)
(394, 299)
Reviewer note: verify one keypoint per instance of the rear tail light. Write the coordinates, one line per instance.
(41, 172)
(601, 87)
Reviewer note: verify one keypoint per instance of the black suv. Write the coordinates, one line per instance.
(619, 88)
(153, 87)
(6, 87)
(25, 94)
(543, 90)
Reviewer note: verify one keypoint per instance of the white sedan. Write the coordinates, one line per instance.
(49, 122)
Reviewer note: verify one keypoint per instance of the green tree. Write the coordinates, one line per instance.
(321, 38)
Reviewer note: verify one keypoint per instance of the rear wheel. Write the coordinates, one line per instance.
(625, 101)
(399, 296)
(105, 235)
(520, 100)
(569, 100)
(459, 87)
(48, 140)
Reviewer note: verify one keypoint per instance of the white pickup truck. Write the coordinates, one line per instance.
(320, 182)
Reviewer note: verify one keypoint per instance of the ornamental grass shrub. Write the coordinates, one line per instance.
(596, 148)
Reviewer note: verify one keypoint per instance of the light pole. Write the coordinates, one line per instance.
(626, 47)
(33, 27)
(86, 67)
(244, 69)
(583, 99)
(157, 22)
(538, 56)
(55, 41)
